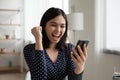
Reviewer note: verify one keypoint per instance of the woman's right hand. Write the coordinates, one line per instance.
(37, 33)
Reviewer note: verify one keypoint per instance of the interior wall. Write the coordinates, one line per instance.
(33, 10)
(87, 8)
(99, 66)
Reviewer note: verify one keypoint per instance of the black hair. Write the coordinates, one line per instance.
(48, 15)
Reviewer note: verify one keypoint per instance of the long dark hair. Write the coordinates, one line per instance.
(48, 15)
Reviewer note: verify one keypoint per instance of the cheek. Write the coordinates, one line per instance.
(48, 32)
(63, 31)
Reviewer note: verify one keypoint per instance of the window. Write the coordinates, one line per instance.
(107, 25)
(112, 24)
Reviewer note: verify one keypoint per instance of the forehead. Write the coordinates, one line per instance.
(58, 19)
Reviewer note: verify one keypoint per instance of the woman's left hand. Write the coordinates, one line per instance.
(79, 59)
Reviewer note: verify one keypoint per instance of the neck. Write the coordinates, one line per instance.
(52, 49)
(52, 46)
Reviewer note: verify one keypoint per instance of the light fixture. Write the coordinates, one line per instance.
(75, 22)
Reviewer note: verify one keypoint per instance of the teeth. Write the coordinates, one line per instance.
(55, 35)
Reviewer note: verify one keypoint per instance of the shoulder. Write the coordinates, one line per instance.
(29, 46)
(70, 45)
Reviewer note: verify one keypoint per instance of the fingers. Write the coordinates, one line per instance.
(36, 31)
(79, 59)
(73, 57)
(82, 55)
(85, 51)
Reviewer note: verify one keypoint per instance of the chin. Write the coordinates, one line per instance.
(57, 41)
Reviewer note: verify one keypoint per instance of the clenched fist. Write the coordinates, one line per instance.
(37, 33)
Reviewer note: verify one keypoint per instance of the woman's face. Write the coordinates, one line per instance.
(55, 29)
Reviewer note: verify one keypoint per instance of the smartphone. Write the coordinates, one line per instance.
(81, 43)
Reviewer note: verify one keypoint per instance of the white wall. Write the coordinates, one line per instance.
(33, 10)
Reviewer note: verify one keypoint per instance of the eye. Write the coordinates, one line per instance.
(62, 26)
(53, 24)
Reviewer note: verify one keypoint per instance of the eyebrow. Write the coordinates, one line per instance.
(57, 23)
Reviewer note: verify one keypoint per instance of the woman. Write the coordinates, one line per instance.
(50, 58)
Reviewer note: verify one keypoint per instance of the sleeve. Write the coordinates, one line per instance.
(36, 62)
(71, 67)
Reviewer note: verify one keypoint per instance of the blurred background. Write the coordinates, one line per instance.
(100, 26)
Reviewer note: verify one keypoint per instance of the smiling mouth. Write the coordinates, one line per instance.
(57, 36)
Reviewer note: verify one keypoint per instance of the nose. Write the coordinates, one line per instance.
(58, 28)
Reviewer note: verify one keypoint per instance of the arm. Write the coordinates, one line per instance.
(74, 76)
(36, 62)
(71, 74)
(72, 66)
